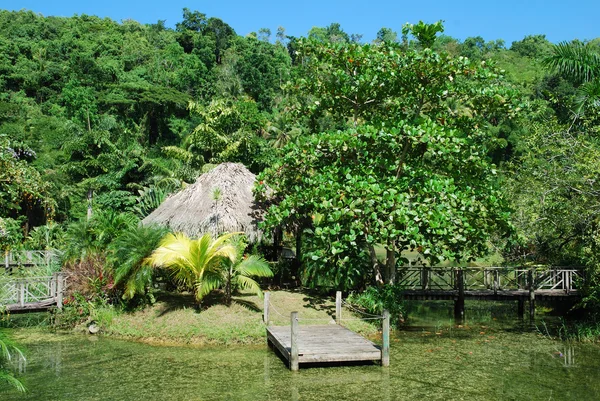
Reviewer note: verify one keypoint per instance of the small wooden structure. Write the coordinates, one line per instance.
(524, 285)
(33, 294)
(330, 343)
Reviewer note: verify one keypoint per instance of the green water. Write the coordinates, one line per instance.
(486, 359)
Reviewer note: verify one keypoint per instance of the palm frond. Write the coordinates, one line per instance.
(210, 281)
(178, 153)
(247, 283)
(254, 265)
(7, 349)
(588, 95)
(13, 381)
(575, 60)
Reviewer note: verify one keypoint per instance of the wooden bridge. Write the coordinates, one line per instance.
(491, 283)
(325, 343)
(19, 295)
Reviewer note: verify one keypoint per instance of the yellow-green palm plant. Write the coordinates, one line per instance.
(239, 271)
(195, 263)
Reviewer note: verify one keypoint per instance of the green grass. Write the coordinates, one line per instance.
(174, 319)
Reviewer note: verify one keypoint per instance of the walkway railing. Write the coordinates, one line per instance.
(30, 258)
(21, 292)
(490, 278)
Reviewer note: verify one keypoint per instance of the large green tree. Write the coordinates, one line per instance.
(414, 170)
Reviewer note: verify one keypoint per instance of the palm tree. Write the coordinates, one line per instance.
(6, 353)
(581, 64)
(206, 264)
(129, 254)
(195, 263)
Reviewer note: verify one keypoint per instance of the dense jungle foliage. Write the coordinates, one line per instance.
(415, 142)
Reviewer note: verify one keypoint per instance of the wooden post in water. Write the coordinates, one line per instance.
(385, 349)
(266, 307)
(531, 286)
(338, 307)
(59, 290)
(294, 363)
(459, 303)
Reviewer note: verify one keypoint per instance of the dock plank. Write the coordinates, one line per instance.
(324, 344)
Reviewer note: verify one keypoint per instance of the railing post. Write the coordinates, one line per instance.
(266, 307)
(496, 281)
(59, 290)
(21, 293)
(531, 286)
(385, 349)
(53, 282)
(425, 278)
(294, 363)
(338, 307)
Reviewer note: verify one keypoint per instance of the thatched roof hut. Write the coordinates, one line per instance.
(219, 201)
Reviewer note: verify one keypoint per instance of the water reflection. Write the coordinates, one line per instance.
(567, 355)
(487, 359)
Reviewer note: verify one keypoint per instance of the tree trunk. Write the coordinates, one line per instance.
(298, 249)
(390, 266)
(228, 288)
(376, 266)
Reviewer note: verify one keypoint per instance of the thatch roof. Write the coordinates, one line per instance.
(219, 201)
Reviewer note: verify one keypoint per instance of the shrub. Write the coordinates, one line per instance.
(376, 299)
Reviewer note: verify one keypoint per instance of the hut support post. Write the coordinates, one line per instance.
(294, 363)
(338, 307)
(385, 349)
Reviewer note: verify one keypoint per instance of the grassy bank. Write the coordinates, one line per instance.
(175, 319)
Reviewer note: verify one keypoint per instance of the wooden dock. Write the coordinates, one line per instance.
(326, 343)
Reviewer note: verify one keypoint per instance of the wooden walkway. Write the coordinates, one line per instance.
(325, 344)
(32, 294)
(522, 284)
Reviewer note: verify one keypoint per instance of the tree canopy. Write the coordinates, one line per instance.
(421, 142)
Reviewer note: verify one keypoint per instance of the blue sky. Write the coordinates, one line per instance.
(509, 20)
